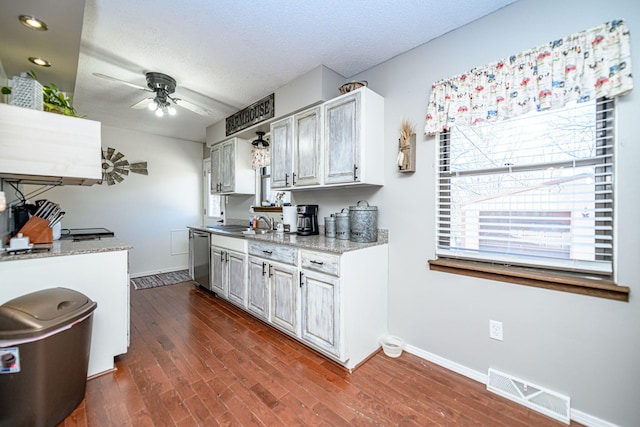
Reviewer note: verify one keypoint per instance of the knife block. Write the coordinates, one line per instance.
(38, 230)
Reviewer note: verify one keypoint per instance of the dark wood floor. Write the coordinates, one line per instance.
(195, 360)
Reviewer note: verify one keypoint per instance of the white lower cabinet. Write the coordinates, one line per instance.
(258, 298)
(273, 284)
(218, 281)
(321, 311)
(274, 294)
(344, 302)
(237, 276)
(229, 269)
(285, 297)
(334, 303)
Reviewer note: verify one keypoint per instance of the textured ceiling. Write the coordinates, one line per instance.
(233, 51)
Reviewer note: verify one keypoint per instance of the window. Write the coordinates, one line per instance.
(532, 191)
(212, 202)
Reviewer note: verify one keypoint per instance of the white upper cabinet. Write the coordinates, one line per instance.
(354, 138)
(307, 147)
(296, 144)
(231, 171)
(338, 143)
(48, 147)
(281, 144)
(216, 175)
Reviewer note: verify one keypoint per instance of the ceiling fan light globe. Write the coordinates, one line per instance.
(172, 111)
(152, 106)
(159, 112)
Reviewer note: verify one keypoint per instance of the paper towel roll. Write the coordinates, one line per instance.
(290, 216)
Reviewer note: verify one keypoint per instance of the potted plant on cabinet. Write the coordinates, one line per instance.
(53, 99)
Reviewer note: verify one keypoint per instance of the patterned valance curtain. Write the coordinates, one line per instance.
(582, 66)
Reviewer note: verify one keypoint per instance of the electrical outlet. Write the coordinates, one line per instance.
(495, 330)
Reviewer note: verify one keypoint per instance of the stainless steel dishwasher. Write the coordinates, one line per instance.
(199, 257)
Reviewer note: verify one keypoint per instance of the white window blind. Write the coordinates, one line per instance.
(536, 190)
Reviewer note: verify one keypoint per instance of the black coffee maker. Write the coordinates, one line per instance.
(307, 220)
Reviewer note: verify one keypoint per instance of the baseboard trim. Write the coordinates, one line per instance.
(576, 415)
(446, 363)
(589, 420)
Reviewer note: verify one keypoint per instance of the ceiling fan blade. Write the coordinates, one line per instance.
(191, 106)
(142, 104)
(103, 76)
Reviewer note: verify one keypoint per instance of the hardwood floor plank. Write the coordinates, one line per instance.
(197, 360)
(174, 404)
(199, 410)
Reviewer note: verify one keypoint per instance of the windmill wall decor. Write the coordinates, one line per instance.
(114, 166)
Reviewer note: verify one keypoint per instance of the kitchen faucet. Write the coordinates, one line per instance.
(268, 220)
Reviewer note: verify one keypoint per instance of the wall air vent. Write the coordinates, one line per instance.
(550, 403)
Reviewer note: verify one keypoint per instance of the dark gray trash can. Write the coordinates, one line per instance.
(45, 338)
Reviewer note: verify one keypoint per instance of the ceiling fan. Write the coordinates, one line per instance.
(163, 86)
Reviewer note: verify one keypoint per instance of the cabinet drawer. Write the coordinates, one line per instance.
(320, 261)
(274, 252)
(232, 243)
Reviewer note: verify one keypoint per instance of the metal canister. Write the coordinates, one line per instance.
(342, 224)
(330, 226)
(363, 222)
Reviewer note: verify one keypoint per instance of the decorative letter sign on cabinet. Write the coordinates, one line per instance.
(231, 171)
(338, 143)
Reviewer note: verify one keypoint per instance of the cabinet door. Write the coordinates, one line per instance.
(228, 167)
(215, 170)
(342, 139)
(237, 266)
(284, 297)
(307, 147)
(258, 288)
(281, 153)
(321, 312)
(218, 279)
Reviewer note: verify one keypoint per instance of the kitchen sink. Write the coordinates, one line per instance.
(261, 231)
(236, 229)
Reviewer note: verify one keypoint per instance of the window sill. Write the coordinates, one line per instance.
(531, 277)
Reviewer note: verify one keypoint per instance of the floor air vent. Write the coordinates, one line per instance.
(532, 396)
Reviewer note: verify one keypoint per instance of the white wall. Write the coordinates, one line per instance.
(585, 347)
(144, 211)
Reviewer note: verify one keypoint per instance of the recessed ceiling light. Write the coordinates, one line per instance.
(33, 22)
(39, 61)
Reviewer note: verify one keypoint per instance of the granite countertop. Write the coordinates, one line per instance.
(67, 247)
(318, 242)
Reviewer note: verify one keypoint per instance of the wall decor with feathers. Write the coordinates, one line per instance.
(406, 160)
(115, 167)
